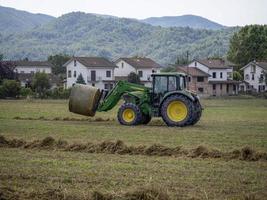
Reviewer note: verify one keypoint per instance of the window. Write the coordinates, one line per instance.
(160, 84)
(108, 73)
(74, 74)
(247, 77)
(93, 84)
(227, 88)
(108, 86)
(122, 64)
(140, 74)
(200, 79)
(221, 86)
(93, 75)
(253, 69)
(189, 79)
(195, 64)
(201, 90)
(214, 75)
(252, 77)
(69, 73)
(214, 86)
(75, 63)
(221, 75)
(172, 83)
(153, 71)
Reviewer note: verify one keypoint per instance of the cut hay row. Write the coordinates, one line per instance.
(98, 119)
(118, 147)
(144, 193)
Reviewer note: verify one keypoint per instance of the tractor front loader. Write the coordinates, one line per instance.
(168, 98)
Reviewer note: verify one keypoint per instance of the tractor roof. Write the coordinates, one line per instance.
(169, 74)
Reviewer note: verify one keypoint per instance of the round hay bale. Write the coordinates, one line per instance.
(83, 99)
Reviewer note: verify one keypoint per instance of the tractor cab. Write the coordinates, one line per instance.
(164, 83)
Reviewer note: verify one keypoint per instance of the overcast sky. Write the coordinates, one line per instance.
(226, 12)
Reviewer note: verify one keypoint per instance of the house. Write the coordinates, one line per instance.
(25, 71)
(197, 80)
(144, 67)
(96, 71)
(254, 79)
(220, 79)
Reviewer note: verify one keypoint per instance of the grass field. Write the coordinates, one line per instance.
(226, 125)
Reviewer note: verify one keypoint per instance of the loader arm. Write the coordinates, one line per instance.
(121, 88)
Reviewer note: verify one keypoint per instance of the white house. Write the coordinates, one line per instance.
(26, 69)
(220, 80)
(96, 71)
(31, 67)
(254, 79)
(144, 67)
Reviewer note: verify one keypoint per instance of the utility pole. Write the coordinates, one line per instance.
(187, 72)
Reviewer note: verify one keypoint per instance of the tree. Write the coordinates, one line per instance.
(133, 78)
(58, 61)
(41, 83)
(182, 59)
(7, 70)
(10, 88)
(1, 57)
(250, 43)
(80, 79)
(237, 76)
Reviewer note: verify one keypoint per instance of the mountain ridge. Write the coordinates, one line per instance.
(192, 21)
(82, 34)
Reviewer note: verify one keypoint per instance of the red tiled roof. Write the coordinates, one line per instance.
(141, 62)
(92, 62)
(216, 63)
(192, 71)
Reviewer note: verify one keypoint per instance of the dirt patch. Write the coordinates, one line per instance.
(119, 147)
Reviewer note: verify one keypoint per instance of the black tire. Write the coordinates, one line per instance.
(145, 119)
(197, 113)
(186, 102)
(135, 120)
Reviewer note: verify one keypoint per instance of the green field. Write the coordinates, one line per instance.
(227, 125)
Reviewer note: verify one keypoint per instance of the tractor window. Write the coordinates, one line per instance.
(160, 84)
(182, 83)
(172, 83)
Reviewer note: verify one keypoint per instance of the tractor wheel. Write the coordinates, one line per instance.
(145, 119)
(129, 114)
(177, 110)
(197, 113)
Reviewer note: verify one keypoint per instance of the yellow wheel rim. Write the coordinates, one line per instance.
(177, 111)
(128, 115)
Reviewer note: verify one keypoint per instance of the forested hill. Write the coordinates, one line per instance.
(90, 35)
(191, 21)
(12, 20)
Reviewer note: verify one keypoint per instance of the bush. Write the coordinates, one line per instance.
(10, 88)
(58, 93)
(24, 92)
(41, 84)
(2, 95)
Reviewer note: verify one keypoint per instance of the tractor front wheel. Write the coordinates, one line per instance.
(177, 110)
(129, 114)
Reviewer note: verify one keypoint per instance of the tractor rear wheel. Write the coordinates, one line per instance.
(197, 113)
(129, 114)
(177, 110)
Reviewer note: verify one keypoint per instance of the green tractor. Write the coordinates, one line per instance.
(168, 98)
